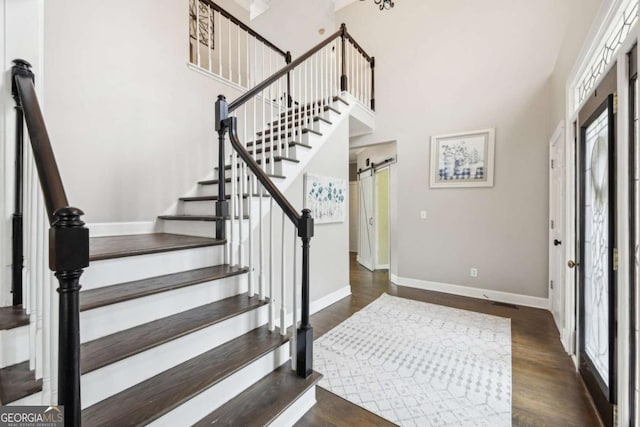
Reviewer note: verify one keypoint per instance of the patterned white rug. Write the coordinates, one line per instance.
(419, 364)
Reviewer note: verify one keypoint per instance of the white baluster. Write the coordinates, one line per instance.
(229, 50)
(283, 281)
(272, 295)
(219, 44)
(247, 65)
(239, 56)
(294, 294)
(283, 132)
(232, 208)
(252, 285)
(261, 277)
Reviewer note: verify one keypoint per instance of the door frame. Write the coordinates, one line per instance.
(606, 16)
(603, 100)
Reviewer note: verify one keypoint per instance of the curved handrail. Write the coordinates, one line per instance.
(55, 197)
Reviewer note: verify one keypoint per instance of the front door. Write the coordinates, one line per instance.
(596, 246)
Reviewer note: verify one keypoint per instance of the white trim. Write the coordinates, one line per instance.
(325, 301)
(467, 291)
(101, 229)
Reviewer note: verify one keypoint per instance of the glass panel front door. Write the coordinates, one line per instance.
(596, 260)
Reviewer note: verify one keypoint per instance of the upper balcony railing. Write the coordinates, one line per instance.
(226, 47)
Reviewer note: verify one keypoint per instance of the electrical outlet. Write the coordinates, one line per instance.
(474, 272)
(423, 214)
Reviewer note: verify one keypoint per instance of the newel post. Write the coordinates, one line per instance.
(343, 77)
(68, 256)
(23, 68)
(222, 206)
(304, 340)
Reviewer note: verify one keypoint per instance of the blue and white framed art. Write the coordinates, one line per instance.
(463, 159)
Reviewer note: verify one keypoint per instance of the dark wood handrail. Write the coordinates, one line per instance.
(267, 183)
(68, 240)
(357, 46)
(244, 26)
(54, 195)
(283, 72)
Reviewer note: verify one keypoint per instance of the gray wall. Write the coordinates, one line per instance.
(459, 66)
(131, 125)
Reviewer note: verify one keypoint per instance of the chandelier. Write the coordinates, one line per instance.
(383, 4)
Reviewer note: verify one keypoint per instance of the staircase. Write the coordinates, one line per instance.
(179, 327)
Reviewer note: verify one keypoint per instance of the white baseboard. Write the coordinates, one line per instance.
(329, 299)
(100, 229)
(467, 291)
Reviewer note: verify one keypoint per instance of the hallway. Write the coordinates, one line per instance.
(546, 389)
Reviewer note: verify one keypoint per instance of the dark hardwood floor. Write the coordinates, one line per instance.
(547, 391)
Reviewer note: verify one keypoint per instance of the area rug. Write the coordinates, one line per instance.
(419, 364)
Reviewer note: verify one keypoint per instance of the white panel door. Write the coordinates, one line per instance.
(366, 234)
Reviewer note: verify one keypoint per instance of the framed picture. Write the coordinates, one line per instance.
(326, 197)
(462, 159)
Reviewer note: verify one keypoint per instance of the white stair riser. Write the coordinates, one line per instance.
(113, 318)
(294, 153)
(119, 376)
(209, 400)
(202, 228)
(293, 413)
(120, 270)
(212, 189)
(203, 207)
(14, 346)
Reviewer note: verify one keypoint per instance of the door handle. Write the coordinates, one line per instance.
(556, 242)
(572, 264)
(371, 221)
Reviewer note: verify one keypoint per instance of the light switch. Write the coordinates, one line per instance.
(423, 214)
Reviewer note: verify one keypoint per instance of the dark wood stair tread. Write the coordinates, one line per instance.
(297, 121)
(261, 403)
(279, 137)
(268, 160)
(210, 198)
(107, 295)
(211, 218)
(141, 244)
(13, 317)
(150, 399)
(288, 131)
(215, 181)
(261, 148)
(17, 381)
(120, 345)
(309, 107)
(336, 98)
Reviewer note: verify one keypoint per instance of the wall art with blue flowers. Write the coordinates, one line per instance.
(326, 197)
